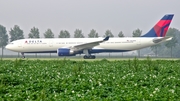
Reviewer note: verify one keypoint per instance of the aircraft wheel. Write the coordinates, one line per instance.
(85, 57)
(89, 57)
(94, 56)
(23, 55)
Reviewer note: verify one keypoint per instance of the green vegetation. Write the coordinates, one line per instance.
(34, 33)
(49, 34)
(3, 38)
(89, 80)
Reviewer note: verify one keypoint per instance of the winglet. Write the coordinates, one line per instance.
(106, 38)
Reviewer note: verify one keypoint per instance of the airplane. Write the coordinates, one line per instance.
(88, 46)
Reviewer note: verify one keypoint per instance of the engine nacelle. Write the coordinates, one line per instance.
(65, 52)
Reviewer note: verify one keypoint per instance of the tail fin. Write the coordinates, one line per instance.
(160, 29)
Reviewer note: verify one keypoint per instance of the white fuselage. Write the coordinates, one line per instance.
(52, 44)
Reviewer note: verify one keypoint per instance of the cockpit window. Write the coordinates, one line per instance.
(11, 43)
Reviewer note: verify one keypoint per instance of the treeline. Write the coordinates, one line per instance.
(16, 33)
(170, 48)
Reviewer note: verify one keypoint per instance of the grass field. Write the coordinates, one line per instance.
(100, 79)
(97, 59)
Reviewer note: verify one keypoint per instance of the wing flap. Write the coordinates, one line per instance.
(88, 45)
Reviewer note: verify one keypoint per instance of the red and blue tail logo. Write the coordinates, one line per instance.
(160, 29)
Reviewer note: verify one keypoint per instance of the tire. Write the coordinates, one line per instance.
(85, 57)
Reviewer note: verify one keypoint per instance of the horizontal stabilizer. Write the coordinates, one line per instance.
(157, 40)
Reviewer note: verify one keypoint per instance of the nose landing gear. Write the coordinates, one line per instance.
(23, 55)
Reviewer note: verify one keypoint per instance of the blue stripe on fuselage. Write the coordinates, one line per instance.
(42, 52)
(106, 50)
(80, 52)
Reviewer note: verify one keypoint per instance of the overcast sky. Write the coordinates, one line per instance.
(116, 15)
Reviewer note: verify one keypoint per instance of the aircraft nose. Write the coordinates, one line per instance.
(11, 47)
(7, 47)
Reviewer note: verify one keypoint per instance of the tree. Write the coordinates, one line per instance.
(93, 34)
(16, 33)
(155, 49)
(34, 33)
(78, 34)
(64, 34)
(172, 43)
(49, 34)
(3, 38)
(108, 33)
(137, 33)
(120, 34)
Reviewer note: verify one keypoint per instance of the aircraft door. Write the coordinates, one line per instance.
(50, 43)
(19, 44)
(138, 42)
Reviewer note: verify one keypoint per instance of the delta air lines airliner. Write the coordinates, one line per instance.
(88, 46)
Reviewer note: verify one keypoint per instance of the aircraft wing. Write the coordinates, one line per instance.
(88, 45)
(157, 40)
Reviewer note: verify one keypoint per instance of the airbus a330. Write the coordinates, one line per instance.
(89, 46)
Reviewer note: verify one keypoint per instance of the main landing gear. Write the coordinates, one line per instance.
(87, 55)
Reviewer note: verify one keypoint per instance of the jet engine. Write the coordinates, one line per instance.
(65, 52)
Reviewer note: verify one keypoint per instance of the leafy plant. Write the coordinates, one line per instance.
(89, 80)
